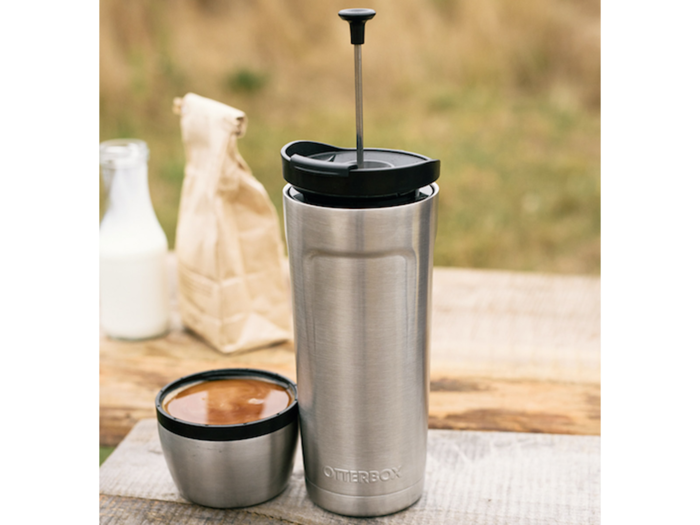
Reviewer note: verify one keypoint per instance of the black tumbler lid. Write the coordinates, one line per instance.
(331, 171)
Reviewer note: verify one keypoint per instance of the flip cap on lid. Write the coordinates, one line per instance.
(332, 171)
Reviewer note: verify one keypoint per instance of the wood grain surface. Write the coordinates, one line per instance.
(509, 351)
(480, 478)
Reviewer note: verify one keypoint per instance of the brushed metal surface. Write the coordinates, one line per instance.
(361, 282)
(226, 474)
(365, 506)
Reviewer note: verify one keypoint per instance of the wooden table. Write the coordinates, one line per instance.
(475, 478)
(509, 352)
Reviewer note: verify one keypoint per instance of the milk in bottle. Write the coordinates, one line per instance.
(133, 247)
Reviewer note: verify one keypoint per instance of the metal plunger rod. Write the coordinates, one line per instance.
(357, 19)
(358, 105)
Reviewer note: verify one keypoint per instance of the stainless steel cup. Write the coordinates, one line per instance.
(227, 466)
(360, 227)
(361, 271)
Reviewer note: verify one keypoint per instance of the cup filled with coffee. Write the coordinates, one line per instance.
(229, 436)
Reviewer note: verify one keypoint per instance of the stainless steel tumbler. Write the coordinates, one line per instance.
(360, 226)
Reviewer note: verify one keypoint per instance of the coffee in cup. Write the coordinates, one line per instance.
(228, 401)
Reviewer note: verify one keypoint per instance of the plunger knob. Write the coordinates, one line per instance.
(357, 17)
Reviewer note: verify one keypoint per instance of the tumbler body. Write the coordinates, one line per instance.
(361, 282)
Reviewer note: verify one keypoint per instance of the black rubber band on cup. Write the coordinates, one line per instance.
(236, 432)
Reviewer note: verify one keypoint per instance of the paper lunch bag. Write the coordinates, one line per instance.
(233, 282)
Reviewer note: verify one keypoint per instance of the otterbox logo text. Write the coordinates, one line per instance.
(362, 476)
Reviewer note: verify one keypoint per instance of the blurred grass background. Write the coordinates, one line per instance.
(505, 93)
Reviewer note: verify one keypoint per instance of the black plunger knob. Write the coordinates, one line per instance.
(357, 18)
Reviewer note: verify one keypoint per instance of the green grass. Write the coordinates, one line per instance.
(506, 95)
(104, 453)
(520, 176)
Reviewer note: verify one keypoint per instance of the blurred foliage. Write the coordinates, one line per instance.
(505, 93)
(246, 81)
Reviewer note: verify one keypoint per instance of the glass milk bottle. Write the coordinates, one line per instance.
(133, 247)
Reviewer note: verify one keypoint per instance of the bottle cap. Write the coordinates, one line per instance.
(123, 153)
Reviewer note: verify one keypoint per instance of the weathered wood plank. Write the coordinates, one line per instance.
(509, 351)
(481, 478)
(137, 511)
(514, 405)
(465, 404)
(516, 325)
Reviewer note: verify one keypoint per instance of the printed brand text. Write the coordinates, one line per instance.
(362, 476)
